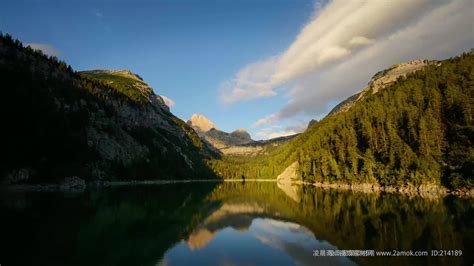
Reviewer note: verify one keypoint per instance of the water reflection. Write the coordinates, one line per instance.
(228, 224)
(264, 241)
(290, 189)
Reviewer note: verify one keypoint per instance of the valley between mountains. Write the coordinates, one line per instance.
(409, 130)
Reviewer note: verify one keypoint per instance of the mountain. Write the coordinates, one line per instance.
(223, 141)
(416, 132)
(96, 125)
(381, 80)
(129, 84)
(201, 123)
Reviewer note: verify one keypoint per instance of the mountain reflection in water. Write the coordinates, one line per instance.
(228, 224)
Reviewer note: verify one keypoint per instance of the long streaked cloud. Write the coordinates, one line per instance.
(251, 82)
(347, 42)
(45, 48)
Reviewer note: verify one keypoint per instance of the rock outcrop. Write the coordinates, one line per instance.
(289, 175)
(241, 134)
(201, 123)
(381, 80)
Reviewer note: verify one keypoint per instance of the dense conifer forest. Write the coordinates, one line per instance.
(417, 131)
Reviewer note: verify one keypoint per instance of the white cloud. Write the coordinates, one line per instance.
(347, 42)
(45, 48)
(445, 31)
(270, 133)
(170, 103)
(266, 120)
(360, 41)
(250, 82)
(276, 131)
(99, 14)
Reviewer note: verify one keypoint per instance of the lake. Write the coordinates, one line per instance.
(230, 223)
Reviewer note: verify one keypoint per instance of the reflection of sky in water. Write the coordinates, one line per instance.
(266, 242)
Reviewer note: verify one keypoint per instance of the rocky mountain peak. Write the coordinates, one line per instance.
(201, 123)
(241, 133)
(220, 140)
(385, 77)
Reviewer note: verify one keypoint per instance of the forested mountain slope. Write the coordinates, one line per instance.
(381, 80)
(418, 130)
(105, 124)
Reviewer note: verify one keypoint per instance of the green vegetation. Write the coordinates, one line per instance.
(365, 220)
(137, 91)
(136, 225)
(417, 131)
(132, 225)
(60, 123)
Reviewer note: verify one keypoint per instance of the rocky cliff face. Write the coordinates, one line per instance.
(381, 80)
(100, 124)
(241, 134)
(201, 123)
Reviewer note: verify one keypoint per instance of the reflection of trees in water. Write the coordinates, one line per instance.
(367, 221)
(136, 225)
(146, 222)
(131, 225)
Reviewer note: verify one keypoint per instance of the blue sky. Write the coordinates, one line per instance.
(267, 66)
(183, 49)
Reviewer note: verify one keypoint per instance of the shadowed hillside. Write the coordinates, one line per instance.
(97, 125)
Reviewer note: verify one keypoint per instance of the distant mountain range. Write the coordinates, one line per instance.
(238, 142)
(219, 139)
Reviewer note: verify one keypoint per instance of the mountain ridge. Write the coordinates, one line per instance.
(95, 125)
(381, 80)
(220, 140)
(413, 133)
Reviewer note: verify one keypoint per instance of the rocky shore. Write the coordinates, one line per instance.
(427, 190)
(76, 184)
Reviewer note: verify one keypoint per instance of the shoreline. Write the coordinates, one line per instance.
(429, 190)
(425, 191)
(101, 184)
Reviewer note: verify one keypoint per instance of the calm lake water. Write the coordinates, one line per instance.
(256, 223)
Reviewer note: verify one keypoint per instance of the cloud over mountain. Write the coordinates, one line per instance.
(347, 42)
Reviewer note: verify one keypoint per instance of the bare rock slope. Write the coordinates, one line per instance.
(381, 80)
(223, 141)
